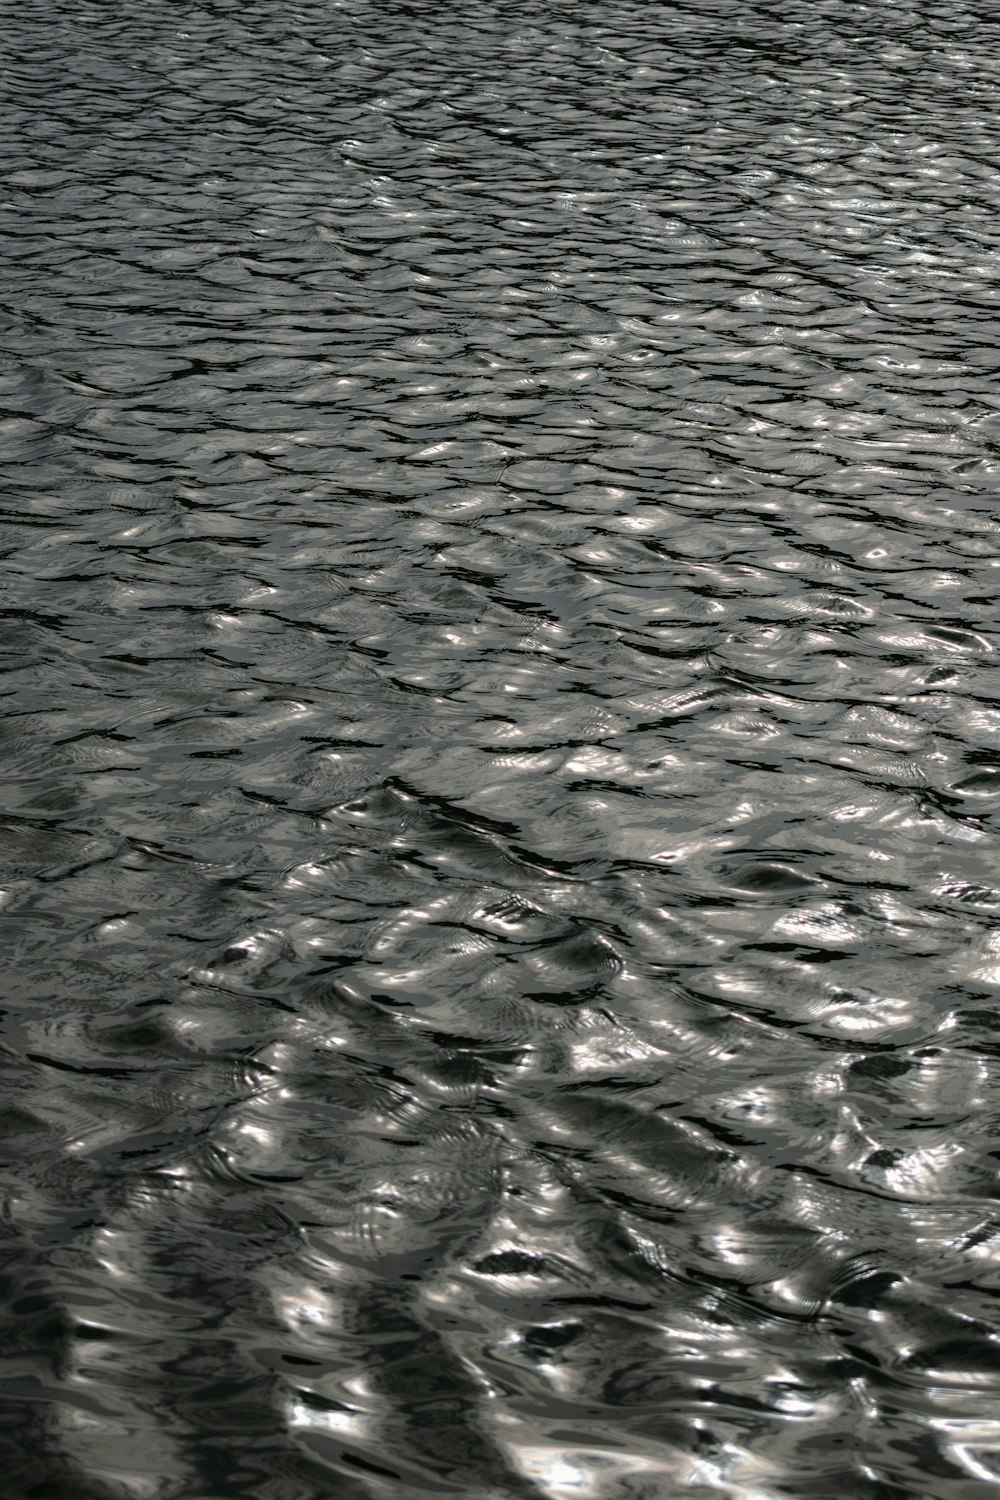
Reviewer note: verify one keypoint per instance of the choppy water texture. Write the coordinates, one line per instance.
(501, 750)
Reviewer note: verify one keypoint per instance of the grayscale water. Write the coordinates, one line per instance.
(501, 750)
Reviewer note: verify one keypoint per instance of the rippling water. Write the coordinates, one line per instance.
(501, 750)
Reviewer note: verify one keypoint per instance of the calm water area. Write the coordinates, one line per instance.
(500, 750)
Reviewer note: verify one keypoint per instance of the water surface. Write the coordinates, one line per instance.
(501, 750)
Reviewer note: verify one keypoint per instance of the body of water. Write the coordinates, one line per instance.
(500, 750)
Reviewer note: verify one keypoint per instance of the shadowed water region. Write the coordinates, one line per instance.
(501, 750)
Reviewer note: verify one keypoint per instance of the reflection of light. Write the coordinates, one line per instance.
(555, 1470)
(302, 1416)
(107, 1246)
(971, 1459)
(918, 1172)
(975, 1445)
(585, 1471)
(308, 1306)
